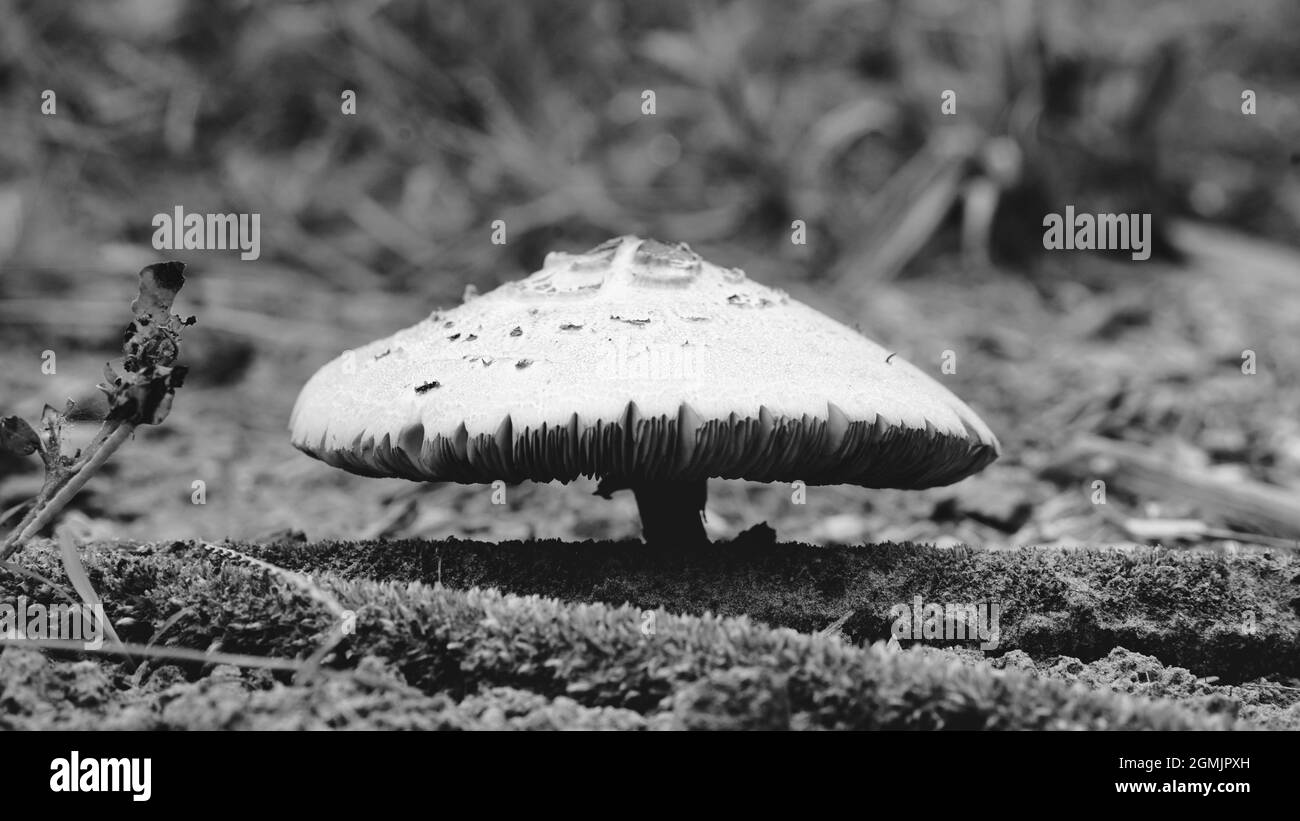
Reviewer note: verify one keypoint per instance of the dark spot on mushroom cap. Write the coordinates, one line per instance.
(453, 337)
(523, 363)
(386, 352)
(448, 324)
(518, 331)
(471, 337)
(427, 386)
(630, 321)
(570, 326)
(748, 302)
(891, 356)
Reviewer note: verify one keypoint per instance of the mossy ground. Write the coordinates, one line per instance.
(1189, 609)
(461, 655)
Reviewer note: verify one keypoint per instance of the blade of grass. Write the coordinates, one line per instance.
(81, 581)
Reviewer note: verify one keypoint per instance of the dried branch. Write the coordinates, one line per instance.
(142, 395)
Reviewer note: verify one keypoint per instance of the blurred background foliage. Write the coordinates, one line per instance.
(531, 113)
(923, 229)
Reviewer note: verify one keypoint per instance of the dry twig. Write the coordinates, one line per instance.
(142, 395)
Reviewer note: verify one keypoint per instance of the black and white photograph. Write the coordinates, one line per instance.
(729, 365)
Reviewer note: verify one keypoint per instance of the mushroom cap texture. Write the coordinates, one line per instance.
(637, 361)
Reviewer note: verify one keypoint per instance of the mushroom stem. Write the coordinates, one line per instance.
(672, 512)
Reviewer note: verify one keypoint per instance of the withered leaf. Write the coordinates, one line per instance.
(150, 347)
(16, 436)
(159, 284)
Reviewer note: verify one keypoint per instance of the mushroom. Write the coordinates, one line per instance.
(641, 364)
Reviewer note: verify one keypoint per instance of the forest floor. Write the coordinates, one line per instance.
(1139, 532)
(1048, 363)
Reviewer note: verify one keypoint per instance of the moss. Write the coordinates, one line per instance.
(228, 699)
(442, 648)
(1261, 702)
(1223, 616)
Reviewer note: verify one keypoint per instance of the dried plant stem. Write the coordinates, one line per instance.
(308, 587)
(302, 582)
(169, 653)
(40, 577)
(65, 484)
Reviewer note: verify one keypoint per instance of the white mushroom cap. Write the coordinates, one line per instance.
(638, 361)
